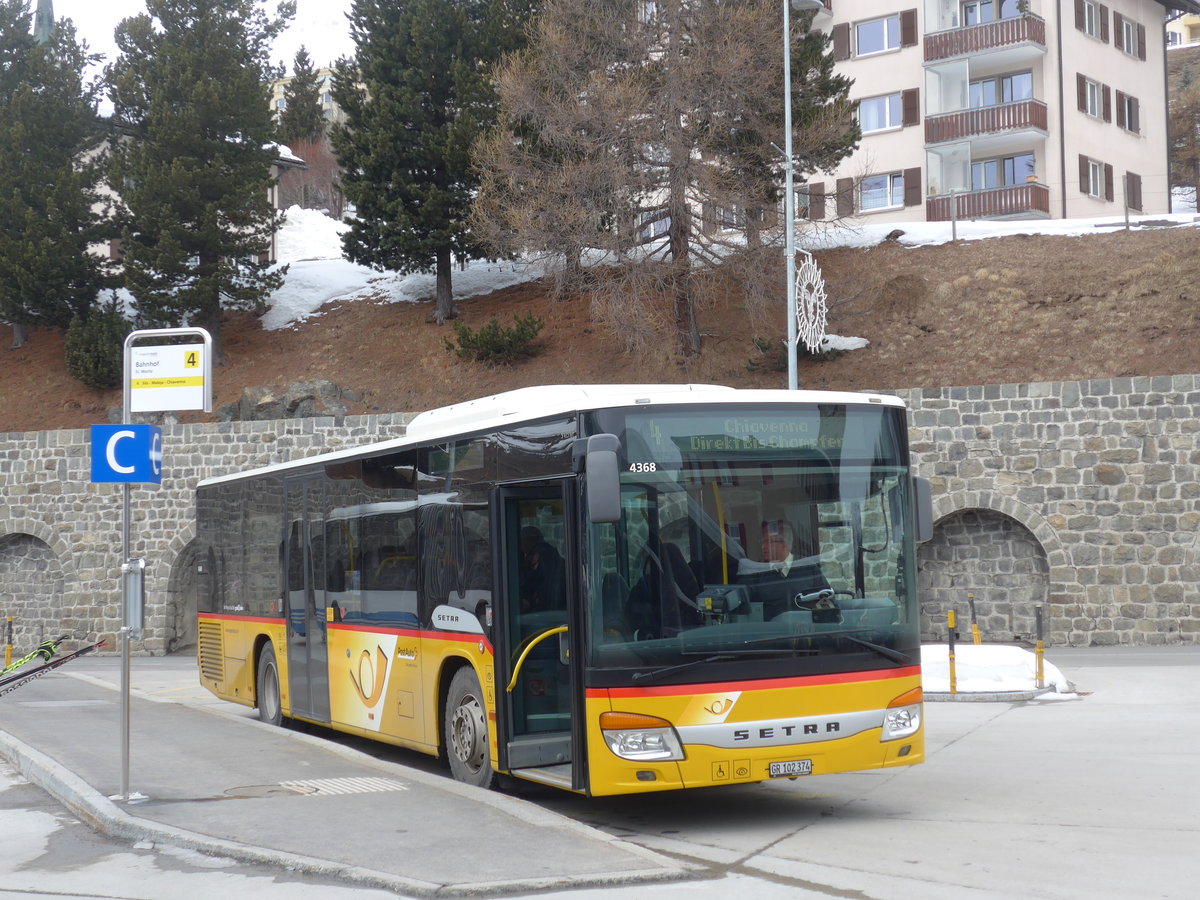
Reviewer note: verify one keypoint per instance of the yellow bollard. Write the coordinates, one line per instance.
(1039, 652)
(953, 676)
(8, 644)
(975, 637)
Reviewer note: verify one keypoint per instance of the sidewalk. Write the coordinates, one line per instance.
(220, 782)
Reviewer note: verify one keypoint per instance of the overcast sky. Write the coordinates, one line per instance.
(320, 25)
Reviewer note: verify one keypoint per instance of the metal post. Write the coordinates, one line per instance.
(8, 644)
(789, 198)
(1039, 651)
(975, 638)
(950, 620)
(953, 217)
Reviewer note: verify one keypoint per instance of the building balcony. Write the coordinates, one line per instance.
(1009, 119)
(1021, 201)
(1020, 36)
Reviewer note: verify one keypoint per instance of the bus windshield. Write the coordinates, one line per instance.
(754, 541)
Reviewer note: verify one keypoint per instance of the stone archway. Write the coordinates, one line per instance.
(990, 557)
(32, 580)
(184, 587)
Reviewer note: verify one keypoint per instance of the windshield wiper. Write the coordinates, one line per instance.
(679, 667)
(887, 652)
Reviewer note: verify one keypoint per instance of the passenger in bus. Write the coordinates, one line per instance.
(781, 578)
(543, 581)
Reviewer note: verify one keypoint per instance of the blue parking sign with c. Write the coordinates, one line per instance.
(127, 453)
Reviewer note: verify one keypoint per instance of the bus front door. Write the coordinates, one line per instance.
(304, 568)
(538, 682)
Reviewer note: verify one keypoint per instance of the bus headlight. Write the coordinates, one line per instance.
(640, 738)
(903, 716)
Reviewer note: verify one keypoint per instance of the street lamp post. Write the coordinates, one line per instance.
(789, 200)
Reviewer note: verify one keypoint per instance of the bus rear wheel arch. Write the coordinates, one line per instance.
(465, 730)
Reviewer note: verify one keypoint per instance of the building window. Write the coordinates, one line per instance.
(1128, 113)
(881, 192)
(979, 12)
(1006, 171)
(877, 35)
(1092, 18)
(281, 104)
(1002, 89)
(880, 113)
(1093, 99)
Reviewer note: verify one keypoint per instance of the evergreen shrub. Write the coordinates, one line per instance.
(95, 346)
(496, 344)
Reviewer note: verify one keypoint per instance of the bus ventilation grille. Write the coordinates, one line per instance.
(212, 656)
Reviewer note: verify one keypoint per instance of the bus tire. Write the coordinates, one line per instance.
(270, 710)
(466, 732)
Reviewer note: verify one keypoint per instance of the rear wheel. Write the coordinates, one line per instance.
(466, 732)
(270, 710)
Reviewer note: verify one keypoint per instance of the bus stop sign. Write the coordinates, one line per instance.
(127, 453)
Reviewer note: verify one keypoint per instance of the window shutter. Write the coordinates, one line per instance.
(816, 200)
(1135, 117)
(1079, 20)
(1108, 182)
(912, 187)
(1084, 181)
(1120, 110)
(1118, 31)
(910, 106)
(1141, 47)
(908, 28)
(845, 197)
(1103, 23)
(1107, 92)
(1081, 91)
(841, 41)
(1133, 191)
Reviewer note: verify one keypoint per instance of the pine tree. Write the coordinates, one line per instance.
(48, 176)
(302, 118)
(643, 129)
(193, 163)
(416, 96)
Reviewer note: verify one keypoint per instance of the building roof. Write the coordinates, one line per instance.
(1183, 6)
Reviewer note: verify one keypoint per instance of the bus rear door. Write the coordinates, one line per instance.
(304, 598)
(539, 699)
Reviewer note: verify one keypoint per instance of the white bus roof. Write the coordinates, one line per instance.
(547, 401)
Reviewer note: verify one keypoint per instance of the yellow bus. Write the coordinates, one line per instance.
(609, 589)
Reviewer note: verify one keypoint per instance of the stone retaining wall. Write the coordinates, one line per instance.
(1081, 497)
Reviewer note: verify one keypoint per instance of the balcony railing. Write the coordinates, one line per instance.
(985, 120)
(1016, 200)
(1024, 29)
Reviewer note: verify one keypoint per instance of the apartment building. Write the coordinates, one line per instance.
(325, 75)
(1184, 29)
(1000, 109)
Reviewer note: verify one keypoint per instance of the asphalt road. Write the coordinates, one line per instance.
(1091, 797)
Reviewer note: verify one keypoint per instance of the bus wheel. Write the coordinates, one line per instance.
(466, 730)
(270, 710)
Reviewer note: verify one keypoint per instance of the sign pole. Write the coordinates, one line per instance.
(164, 383)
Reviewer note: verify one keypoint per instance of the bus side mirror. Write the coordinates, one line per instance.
(923, 501)
(603, 479)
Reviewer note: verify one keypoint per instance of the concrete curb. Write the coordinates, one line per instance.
(987, 696)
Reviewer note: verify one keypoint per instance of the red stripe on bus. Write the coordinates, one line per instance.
(768, 684)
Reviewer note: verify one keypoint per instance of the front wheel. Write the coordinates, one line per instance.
(270, 710)
(466, 732)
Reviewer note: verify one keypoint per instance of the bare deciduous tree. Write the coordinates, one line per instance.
(647, 132)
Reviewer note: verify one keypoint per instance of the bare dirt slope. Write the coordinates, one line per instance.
(1013, 309)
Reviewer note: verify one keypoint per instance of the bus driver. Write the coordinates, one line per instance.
(782, 582)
